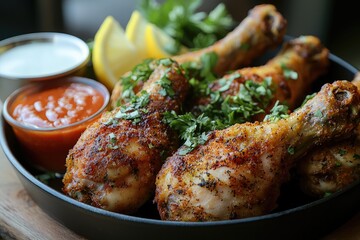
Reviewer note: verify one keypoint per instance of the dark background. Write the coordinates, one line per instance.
(335, 22)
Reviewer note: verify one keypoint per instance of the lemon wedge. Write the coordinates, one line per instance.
(113, 53)
(157, 41)
(150, 40)
(135, 32)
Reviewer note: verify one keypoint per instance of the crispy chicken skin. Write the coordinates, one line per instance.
(262, 29)
(114, 163)
(331, 168)
(238, 172)
(304, 56)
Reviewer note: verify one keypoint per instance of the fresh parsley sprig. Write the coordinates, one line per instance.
(192, 130)
(279, 111)
(181, 20)
(134, 110)
(201, 74)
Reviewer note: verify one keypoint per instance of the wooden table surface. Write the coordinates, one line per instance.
(21, 218)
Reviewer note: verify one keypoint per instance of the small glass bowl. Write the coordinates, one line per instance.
(40, 56)
(46, 148)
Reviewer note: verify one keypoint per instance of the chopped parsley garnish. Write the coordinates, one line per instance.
(356, 156)
(244, 46)
(180, 20)
(134, 110)
(327, 194)
(140, 73)
(47, 177)
(307, 98)
(165, 83)
(201, 74)
(291, 150)
(112, 141)
(342, 152)
(165, 62)
(279, 111)
(318, 114)
(193, 130)
(289, 73)
(261, 93)
(221, 112)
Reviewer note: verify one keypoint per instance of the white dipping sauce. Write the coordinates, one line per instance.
(37, 59)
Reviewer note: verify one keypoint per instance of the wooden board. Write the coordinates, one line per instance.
(20, 217)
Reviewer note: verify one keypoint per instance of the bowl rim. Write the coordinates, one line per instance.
(19, 40)
(56, 82)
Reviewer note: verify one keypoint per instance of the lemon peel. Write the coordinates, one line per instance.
(113, 53)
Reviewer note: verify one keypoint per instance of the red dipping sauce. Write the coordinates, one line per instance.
(49, 117)
(57, 106)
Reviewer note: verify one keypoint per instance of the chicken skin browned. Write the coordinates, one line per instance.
(262, 29)
(114, 163)
(300, 62)
(331, 168)
(238, 172)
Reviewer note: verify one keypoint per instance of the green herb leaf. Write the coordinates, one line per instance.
(201, 74)
(291, 150)
(318, 114)
(220, 113)
(342, 152)
(165, 83)
(289, 73)
(327, 194)
(307, 98)
(140, 73)
(180, 19)
(193, 130)
(46, 177)
(135, 108)
(279, 111)
(112, 141)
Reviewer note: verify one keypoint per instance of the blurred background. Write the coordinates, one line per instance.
(335, 22)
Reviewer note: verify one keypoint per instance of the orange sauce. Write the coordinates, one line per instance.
(58, 106)
(55, 110)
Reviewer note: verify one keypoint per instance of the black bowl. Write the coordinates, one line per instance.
(298, 216)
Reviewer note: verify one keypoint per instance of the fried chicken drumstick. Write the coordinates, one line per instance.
(331, 168)
(238, 172)
(114, 163)
(292, 72)
(262, 29)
